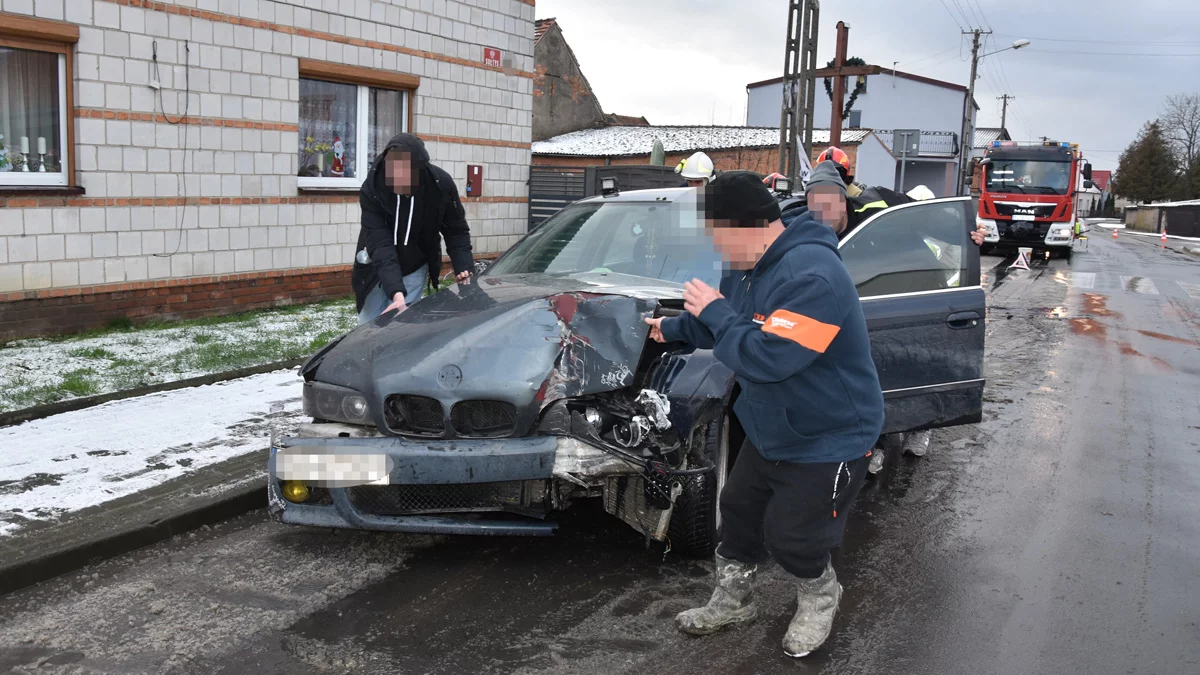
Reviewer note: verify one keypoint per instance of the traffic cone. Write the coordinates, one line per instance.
(1163, 239)
(1114, 233)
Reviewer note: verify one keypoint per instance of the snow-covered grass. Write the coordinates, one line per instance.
(45, 370)
(78, 459)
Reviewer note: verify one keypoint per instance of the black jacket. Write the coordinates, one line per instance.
(439, 214)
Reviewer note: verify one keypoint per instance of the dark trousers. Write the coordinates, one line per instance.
(793, 512)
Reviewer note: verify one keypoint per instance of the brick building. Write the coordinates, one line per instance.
(205, 155)
(748, 148)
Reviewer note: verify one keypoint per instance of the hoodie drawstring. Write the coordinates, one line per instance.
(836, 478)
(412, 206)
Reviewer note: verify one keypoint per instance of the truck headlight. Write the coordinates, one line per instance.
(335, 404)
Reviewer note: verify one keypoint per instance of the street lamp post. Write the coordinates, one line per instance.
(968, 106)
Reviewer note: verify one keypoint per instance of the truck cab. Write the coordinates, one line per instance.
(1028, 194)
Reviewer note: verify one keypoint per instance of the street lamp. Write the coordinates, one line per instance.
(968, 110)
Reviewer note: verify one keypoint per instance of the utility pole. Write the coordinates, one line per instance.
(968, 112)
(796, 119)
(1004, 109)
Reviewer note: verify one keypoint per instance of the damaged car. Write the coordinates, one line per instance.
(492, 404)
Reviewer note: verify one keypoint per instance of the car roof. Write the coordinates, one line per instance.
(653, 195)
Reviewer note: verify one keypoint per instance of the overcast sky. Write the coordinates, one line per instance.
(1096, 70)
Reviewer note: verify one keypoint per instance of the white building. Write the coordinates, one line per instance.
(189, 146)
(890, 100)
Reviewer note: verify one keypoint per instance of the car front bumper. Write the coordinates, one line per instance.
(398, 464)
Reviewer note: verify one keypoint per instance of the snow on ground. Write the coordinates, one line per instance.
(39, 371)
(79, 459)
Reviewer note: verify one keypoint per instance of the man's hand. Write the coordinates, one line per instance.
(463, 276)
(697, 295)
(397, 303)
(979, 233)
(656, 329)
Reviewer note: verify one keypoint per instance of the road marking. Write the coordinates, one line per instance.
(1082, 279)
(1139, 285)
(1191, 289)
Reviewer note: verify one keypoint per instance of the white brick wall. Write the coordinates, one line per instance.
(245, 73)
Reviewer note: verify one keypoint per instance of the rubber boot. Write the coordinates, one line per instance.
(816, 603)
(917, 443)
(732, 601)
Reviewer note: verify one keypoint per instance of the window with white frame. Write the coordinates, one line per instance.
(34, 147)
(342, 128)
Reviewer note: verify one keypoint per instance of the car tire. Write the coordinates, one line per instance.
(696, 519)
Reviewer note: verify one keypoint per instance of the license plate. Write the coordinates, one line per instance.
(1023, 217)
(333, 469)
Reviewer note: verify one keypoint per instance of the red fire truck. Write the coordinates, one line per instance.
(1028, 192)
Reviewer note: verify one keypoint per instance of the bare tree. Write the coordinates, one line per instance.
(1181, 123)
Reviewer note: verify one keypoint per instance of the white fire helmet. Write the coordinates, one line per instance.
(921, 193)
(696, 167)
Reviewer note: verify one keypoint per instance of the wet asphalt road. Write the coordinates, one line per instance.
(1061, 535)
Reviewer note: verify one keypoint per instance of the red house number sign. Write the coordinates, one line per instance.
(491, 57)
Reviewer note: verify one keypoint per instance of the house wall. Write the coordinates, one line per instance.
(562, 98)
(875, 165)
(889, 103)
(166, 205)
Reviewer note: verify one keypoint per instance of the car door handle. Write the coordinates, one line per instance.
(961, 320)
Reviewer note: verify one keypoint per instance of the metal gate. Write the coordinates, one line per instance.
(553, 187)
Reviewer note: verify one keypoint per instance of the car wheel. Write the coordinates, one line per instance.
(697, 519)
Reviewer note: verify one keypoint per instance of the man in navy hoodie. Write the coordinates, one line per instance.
(789, 324)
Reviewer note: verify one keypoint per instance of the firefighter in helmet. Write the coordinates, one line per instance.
(698, 170)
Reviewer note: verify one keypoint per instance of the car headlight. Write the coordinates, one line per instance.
(336, 404)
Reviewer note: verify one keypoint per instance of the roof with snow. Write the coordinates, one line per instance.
(618, 141)
(985, 136)
(933, 143)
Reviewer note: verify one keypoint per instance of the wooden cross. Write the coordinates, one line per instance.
(839, 72)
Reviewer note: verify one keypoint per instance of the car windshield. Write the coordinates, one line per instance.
(1029, 177)
(657, 240)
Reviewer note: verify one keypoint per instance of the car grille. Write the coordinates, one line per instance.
(1040, 211)
(414, 415)
(395, 500)
(483, 419)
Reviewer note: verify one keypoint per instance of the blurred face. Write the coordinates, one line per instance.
(399, 172)
(828, 205)
(741, 247)
(695, 182)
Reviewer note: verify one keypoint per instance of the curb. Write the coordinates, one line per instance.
(46, 567)
(70, 405)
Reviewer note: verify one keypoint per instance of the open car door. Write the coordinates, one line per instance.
(917, 274)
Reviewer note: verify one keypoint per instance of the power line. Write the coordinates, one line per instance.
(961, 12)
(1079, 53)
(952, 17)
(982, 16)
(1155, 43)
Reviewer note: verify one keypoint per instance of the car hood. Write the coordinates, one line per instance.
(525, 339)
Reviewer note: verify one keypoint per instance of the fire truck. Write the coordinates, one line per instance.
(1027, 195)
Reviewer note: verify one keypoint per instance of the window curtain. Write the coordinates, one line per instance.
(328, 117)
(29, 105)
(386, 119)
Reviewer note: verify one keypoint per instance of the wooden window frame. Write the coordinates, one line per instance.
(310, 69)
(57, 37)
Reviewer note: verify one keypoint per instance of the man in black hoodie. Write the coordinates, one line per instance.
(408, 206)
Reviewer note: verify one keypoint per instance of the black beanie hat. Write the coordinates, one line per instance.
(740, 197)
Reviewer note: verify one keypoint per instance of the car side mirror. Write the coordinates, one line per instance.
(1087, 172)
(1087, 184)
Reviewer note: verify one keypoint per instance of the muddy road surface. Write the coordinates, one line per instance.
(1059, 536)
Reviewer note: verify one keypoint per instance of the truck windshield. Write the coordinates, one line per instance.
(1028, 177)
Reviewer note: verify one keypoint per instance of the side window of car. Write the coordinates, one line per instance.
(910, 249)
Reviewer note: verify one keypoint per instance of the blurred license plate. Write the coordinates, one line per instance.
(1021, 216)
